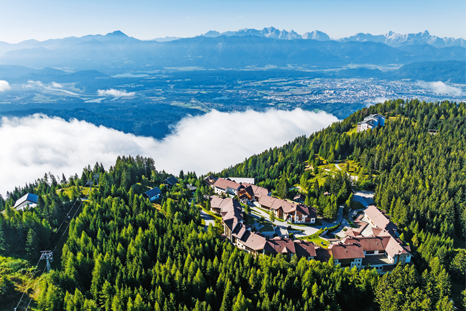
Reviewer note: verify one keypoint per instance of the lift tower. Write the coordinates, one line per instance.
(47, 256)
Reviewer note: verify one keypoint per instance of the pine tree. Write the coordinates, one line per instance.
(32, 244)
(282, 190)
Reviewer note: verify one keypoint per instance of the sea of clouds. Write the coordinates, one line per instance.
(32, 146)
(440, 88)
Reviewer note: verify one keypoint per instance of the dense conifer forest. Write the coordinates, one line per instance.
(117, 251)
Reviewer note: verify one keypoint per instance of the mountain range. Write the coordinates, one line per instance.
(116, 51)
(391, 38)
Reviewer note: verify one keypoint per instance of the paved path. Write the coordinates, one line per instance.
(363, 197)
(207, 218)
(338, 167)
(296, 229)
(366, 198)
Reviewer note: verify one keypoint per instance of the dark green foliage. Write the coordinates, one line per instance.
(6, 286)
(458, 266)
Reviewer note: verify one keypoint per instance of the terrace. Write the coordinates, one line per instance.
(375, 260)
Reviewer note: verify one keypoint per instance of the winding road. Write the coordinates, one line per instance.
(207, 218)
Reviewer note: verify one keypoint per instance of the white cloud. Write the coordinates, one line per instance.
(57, 85)
(4, 86)
(440, 87)
(115, 93)
(34, 83)
(34, 145)
(376, 100)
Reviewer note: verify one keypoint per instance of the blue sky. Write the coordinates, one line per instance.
(148, 19)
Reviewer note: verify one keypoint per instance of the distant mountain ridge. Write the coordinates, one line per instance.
(391, 38)
(271, 33)
(396, 40)
(245, 48)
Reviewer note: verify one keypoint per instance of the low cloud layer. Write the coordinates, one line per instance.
(441, 88)
(115, 93)
(4, 86)
(32, 146)
(56, 87)
(376, 100)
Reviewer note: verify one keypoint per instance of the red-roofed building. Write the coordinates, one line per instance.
(378, 220)
(347, 255)
(289, 211)
(226, 186)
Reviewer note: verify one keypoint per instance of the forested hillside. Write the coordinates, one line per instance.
(416, 164)
(121, 252)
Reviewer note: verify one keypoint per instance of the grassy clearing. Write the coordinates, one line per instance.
(20, 272)
(352, 131)
(83, 190)
(317, 240)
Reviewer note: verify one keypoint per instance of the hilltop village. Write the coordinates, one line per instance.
(375, 243)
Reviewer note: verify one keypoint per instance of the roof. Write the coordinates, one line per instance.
(241, 180)
(379, 219)
(299, 196)
(395, 248)
(223, 183)
(347, 251)
(376, 115)
(370, 122)
(253, 240)
(286, 206)
(369, 244)
(232, 213)
(172, 180)
(210, 180)
(285, 246)
(380, 232)
(217, 202)
(248, 190)
(28, 197)
(258, 191)
(352, 232)
(191, 187)
(153, 192)
(323, 254)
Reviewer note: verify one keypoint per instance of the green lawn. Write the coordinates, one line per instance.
(317, 240)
